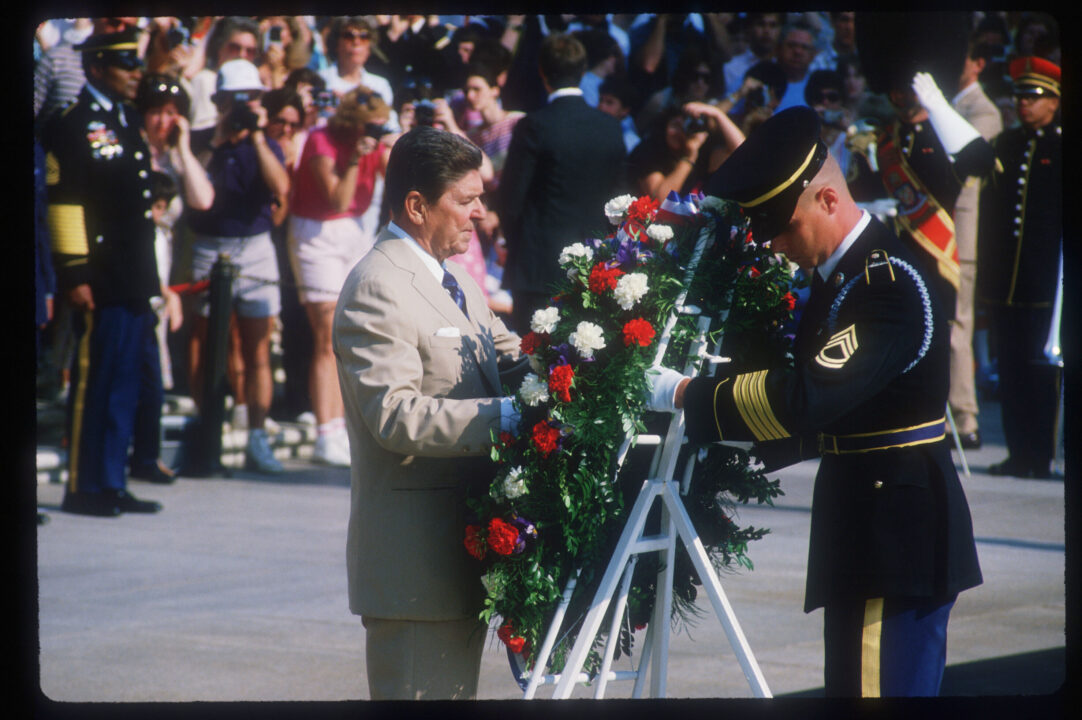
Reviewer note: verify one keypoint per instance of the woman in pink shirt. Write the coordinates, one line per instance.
(332, 187)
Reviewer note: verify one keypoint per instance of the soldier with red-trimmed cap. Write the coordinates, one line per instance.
(891, 537)
(1018, 270)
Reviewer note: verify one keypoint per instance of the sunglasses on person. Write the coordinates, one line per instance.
(248, 51)
(704, 76)
(830, 96)
(352, 35)
(286, 123)
(124, 61)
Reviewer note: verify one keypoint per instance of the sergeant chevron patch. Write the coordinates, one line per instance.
(838, 349)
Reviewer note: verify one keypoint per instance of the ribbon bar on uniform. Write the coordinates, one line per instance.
(883, 439)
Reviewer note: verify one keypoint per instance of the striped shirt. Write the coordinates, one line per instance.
(58, 78)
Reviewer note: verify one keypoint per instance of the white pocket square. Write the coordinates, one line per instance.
(448, 332)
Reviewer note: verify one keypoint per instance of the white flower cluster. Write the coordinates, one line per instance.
(659, 233)
(544, 321)
(533, 390)
(577, 250)
(630, 289)
(616, 209)
(587, 338)
(514, 485)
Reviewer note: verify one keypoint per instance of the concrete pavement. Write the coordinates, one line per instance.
(236, 592)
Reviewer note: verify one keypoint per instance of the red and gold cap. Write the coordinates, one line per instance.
(1035, 76)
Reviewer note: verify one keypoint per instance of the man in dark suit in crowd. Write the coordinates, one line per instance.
(891, 536)
(565, 161)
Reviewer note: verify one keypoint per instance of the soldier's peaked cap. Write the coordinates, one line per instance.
(1035, 76)
(119, 47)
(766, 173)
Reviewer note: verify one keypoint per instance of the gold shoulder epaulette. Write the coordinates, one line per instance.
(874, 264)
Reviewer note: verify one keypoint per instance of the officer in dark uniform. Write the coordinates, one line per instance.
(925, 155)
(891, 536)
(98, 178)
(1018, 267)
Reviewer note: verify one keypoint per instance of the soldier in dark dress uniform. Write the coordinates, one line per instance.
(891, 536)
(98, 178)
(1021, 237)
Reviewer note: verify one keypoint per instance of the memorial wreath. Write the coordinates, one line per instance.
(557, 503)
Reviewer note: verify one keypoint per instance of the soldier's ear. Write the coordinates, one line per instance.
(828, 199)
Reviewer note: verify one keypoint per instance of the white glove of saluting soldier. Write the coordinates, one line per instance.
(953, 131)
(663, 386)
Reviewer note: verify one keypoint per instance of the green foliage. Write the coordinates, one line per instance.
(559, 483)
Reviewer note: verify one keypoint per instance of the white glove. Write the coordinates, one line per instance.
(953, 130)
(663, 384)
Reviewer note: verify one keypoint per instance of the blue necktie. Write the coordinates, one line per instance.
(451, 285)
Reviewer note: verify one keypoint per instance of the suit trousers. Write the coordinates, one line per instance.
(885, 647)
(418, 660)
(963, 386)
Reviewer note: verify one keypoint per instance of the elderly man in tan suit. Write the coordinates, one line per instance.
(973, 105)
(418, 355)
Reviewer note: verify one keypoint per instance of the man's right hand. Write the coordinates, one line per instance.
(81, 298)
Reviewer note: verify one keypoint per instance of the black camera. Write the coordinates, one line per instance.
(242, 117)
(756, 97)
(326, 99)
(176, 36)
(376, 130)
(424, 112)
(694, 124)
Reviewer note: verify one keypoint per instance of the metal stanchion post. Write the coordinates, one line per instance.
(205, 454)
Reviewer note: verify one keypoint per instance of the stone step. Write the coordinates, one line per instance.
(287, 441)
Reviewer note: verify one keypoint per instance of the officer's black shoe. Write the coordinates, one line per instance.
(93, 504)
(153, 472)
(971, 441)
(127, 502)
(1010, 467)
(1048, 473)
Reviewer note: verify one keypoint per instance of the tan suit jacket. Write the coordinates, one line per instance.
(982, 114)
(420, 406)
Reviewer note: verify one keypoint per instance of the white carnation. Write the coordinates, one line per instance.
(659, 233)
(587, 338)
(616, 209)
(544, 321)
(577, 250)
(533, 390)
(514, 485)
(630, 289)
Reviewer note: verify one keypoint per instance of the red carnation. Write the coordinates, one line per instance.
(531, 341)
(545, 437)
(505, 633)
(790, 301)
(604, 278)
(754, 272)
(475, 544)
(560, 378)
(506, 438)
(638, 331)
(502, 536)
(642, 209)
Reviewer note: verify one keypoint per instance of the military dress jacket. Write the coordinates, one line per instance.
(98, 177)
(1021, 222)
(867, 392)
(421, 385)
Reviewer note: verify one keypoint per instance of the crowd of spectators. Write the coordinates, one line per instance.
(298, 205)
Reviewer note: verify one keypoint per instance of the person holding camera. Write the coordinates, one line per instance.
(332, 189)
(685, 146)
(247, 171)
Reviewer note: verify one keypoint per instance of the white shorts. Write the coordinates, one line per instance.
(323, 252)
(255, 290)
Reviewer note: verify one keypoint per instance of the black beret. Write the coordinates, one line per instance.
(766, 173)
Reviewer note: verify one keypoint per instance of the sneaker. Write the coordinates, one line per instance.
(258, 455)
(331, 450)
(239, 420)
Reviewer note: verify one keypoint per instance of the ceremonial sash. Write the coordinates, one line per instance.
(918, 212)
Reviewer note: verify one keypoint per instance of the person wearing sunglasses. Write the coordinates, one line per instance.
(825, 94)
(100, 222)
(332, 189)
(229, 39)
(349, 46)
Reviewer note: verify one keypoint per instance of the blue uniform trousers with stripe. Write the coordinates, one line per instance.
(115, 350)
(885, 647)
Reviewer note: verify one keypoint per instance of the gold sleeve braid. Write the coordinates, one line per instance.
(749, 396)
